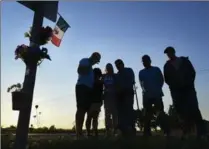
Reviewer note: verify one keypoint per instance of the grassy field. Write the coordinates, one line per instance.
(68, 142)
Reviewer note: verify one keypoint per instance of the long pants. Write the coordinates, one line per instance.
(186, 105)
(150, 111)
(126, 112)
(111, 114)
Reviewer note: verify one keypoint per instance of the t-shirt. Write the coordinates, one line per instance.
(151, 80)
(109, 83)
(97, 91)
(125, 79)
(179, 74)
(177, 63)
(87, 79)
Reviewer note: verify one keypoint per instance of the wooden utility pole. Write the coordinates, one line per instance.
(41, 10)
(28, 86)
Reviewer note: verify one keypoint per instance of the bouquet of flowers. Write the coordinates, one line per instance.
(17, 87)
(30, 54)
(45, 35)
(21, 52)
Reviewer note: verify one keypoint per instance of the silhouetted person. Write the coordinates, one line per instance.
(151, 81)
(96, 103)
(84, 89)
(110, 108)
(125, 80)
(180, 75)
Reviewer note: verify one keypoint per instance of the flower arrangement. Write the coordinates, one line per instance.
(35, 55)
(19, 99)
(17, 87)
(45, 35)
(30, 54)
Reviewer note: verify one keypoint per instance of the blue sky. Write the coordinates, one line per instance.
(125, 30)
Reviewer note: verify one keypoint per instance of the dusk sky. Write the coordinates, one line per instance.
(125, 30)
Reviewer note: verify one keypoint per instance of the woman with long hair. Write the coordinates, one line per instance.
(110, 108)
(96, 103)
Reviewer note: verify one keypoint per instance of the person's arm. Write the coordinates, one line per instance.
(102, 79)
(117, 83)
(192, 71)
(166, 74)
(84, 67)
(160, 77)
(141, 80)
(132, 76)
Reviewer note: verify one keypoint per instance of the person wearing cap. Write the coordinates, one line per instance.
(151, 81)
(179, 75)
(84, 89)
(125, 80)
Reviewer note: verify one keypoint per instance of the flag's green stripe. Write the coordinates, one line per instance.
(62, 24)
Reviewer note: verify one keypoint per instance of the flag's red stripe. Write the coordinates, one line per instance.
(56, 41)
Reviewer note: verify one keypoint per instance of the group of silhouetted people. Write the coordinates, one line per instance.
(116, 92)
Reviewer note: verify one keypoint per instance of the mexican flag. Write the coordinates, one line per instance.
(59, 30)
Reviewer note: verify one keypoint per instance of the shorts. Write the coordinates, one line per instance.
(83, 97)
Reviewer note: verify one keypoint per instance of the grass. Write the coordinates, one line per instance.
(155, 142)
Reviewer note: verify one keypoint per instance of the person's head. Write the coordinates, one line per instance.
(171, 53)
(97, 73)
(95, 58)
(146, 60)
(119, 64)
(109, 68)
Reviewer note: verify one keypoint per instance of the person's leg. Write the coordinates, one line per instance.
(95, 122)
(147, 104)
(181, 107)
(130, 113)
(114, 119)
(162, 118)
(88, 123)
(82, 94)
(80, 113)
(113, 113)
(195, 115)
(121, 113)
(126, 114)
(142, 120)
(108, 120)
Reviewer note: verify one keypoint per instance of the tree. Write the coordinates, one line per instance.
(45, 129)
(31, 126)
(12, 127)
(52, 128)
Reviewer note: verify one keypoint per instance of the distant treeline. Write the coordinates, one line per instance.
(174, 122)
(52, 129)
